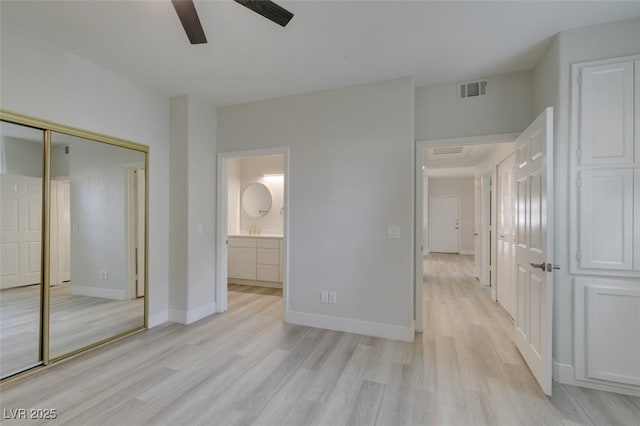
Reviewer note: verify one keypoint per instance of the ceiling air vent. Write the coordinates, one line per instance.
(450, 150)
(473, 89)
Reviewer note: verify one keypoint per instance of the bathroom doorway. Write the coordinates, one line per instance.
(252, 226)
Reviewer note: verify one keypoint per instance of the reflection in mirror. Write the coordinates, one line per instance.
(256, 200)
(21, 153)
(97, 242)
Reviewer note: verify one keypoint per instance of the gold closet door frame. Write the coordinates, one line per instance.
(48, 127)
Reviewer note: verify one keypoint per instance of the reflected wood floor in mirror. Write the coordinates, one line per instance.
(247, 367)
(76, 321)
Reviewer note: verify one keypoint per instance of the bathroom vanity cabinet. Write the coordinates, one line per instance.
(255, 260)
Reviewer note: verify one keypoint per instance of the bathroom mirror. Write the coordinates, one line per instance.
(256, 200)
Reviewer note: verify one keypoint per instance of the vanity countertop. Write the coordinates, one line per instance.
(254, 236)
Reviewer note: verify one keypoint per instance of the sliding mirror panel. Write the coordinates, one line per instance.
(97, 249)
(21, 163)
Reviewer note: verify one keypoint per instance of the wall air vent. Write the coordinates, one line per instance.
(473, 89)
(449, 150)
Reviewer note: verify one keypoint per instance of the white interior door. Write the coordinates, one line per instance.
(60, 233)
(534, 250)
(506, 229)
(444, 223)
(20, 230)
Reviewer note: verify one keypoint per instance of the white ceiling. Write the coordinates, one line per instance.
(328, 44)
(471, 156)
(457, 165)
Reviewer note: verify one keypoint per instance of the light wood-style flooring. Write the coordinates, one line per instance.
(76, 321)
(248, 367)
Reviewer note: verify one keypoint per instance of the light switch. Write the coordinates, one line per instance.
(324, 296)
(393, 231)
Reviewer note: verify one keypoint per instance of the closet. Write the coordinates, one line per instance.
(605, 222)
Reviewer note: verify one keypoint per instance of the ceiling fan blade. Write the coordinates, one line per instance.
(186, 11)
(269, 10)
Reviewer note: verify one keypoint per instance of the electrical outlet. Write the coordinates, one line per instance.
(332, 297)
(324, 296)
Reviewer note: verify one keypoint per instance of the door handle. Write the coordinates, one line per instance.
(548, 267)
(542, 265)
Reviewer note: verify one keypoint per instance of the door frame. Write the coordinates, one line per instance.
(418, 204)
(222, 222)
(459, 199)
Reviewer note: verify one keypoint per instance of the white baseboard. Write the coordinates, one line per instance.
(564, 373)
(192, 315)
(105, 293)
(271, 284)
(469, 252)
(367, 328)
(154, 320)
(200, 312)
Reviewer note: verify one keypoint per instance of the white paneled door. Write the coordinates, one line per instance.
(20, 230)
(444, 223)
(534, 249)
(506, 228)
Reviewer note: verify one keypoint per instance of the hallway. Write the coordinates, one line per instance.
(479, 376)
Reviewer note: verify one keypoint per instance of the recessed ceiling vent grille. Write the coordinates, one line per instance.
(450, 150)
(473, 89)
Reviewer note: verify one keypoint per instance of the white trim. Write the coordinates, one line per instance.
(221, 225)
(157, 319)
(200, 312)
(565, 374)
(469, 140)
(105, 293)
(178, 316)
(256, 283)
(348, 325)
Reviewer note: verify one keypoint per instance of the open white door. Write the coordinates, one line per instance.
(534, 250)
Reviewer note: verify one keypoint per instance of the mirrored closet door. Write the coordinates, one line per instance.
(21, 161)
(73, 242)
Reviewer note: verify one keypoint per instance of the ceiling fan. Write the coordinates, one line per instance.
(186, 11)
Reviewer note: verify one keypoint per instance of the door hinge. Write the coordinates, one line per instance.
(578, 182)
(579, 153)
(579, 79)
(578, 255)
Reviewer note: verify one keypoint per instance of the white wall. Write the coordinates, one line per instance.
(351, 175)
(22, 157)
(552, 87)
(192, 224)
(179, 206)
(440, 113)
(253, 170)
(234, 188)
(98, 182)
(40, 80)
(465, 188)
(202, 214)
